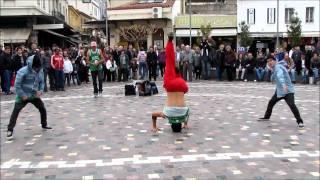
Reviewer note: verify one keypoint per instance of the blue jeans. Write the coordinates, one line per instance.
(219, 72)
(315, 73)
(206, 69)
(142, 69)
(59, 79)
(304, 73)
(6, 81)
(260, 73)
(292, 73)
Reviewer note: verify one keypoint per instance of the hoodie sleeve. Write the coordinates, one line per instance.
(18, 83)
(279, 74)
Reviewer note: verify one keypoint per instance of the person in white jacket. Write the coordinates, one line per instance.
(68, 68)
(111, 69)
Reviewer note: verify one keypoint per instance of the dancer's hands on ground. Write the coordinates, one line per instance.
(185, 126)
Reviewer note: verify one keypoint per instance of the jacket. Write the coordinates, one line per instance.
(162, 57)
(220, 58)
(126, 63)
(45, 61)
(18, 62)
(281, 76)
(261, 62)
(242, 63)
(28, 82)
(152, 58)
(57, 62)
(230, 58)
(5, 62)
(67, 68)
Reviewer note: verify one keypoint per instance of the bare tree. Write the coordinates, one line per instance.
(137, 33)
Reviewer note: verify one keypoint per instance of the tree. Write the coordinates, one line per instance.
(204, 31)
(245, 39)
(137, 33)
(294, 30)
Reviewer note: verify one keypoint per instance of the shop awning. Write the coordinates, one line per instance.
(14, 35)
(214, 32)
(69, 39)
(54, 33)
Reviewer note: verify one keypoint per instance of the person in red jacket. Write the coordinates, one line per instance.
(175, 110)
(57, 64)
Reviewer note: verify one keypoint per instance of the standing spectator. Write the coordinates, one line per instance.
(197, 63)
(250, 66)
(152, 63)
(182, 50)
(134, 68)
(67, 68)
(46, 65)
(187, 63)
(75, 73)
(220, 62)
(261, 66)
(315, 65)
(178, 57)
(291, 67)
(57, 64)
(34, 50)
(124, 66)
(240, 67)
(205, 58)
(296, 57)
(5, 70)
(1, 49)
(162, 61)
(142, 58)
(95, 60)
(18, 61)
(111, 67)
(230, 59)
(82, 65)
(304, 69)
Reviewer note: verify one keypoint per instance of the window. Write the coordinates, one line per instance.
(288, 14)
(271, 15)
(38, 2)
(251, 13)
(309, 14)
(44, 4)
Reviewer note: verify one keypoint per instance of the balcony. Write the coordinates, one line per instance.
(212, 7)
(59, 15)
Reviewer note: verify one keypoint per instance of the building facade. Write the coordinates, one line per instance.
(41, 21)
(261, 16)
(220, 14)
(128, 12)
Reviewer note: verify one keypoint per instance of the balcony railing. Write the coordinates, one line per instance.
(58, 15)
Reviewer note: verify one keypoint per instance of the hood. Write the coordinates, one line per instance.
(30, 62)
(280, 56)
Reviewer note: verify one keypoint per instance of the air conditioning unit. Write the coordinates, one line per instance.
(157, 12)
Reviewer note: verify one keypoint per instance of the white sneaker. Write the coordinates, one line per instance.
(255, 80)
(95, 95)
(245, 80)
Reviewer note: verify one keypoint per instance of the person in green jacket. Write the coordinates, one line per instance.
(95, 61)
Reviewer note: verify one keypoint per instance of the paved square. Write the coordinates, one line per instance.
(110, 138)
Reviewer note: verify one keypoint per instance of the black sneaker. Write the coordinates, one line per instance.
(263, 119)
(46, 127)
(300, 125)
(10, 134)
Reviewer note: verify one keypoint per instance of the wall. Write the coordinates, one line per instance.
(261, 24)
(116, 3)
(227, 8)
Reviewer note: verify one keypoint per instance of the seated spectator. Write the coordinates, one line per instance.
(249, 65)
(315, 66)
(261, 66)
(240, 66)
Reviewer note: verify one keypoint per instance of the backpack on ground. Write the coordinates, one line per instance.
(129, 90)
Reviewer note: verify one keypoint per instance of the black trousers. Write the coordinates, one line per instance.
(229, 73)
(97, 75)
(197, 70)
(289, 98)
(162, 67)
(18, 106)
(123, 74)
(153, 72)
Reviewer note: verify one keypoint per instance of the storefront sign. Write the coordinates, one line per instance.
(224, 21)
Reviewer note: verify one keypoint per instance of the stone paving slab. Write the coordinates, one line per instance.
(109, 137)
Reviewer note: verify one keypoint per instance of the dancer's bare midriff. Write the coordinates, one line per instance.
(175, 99)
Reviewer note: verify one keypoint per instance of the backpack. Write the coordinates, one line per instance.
(129, 90)
(145, 89)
